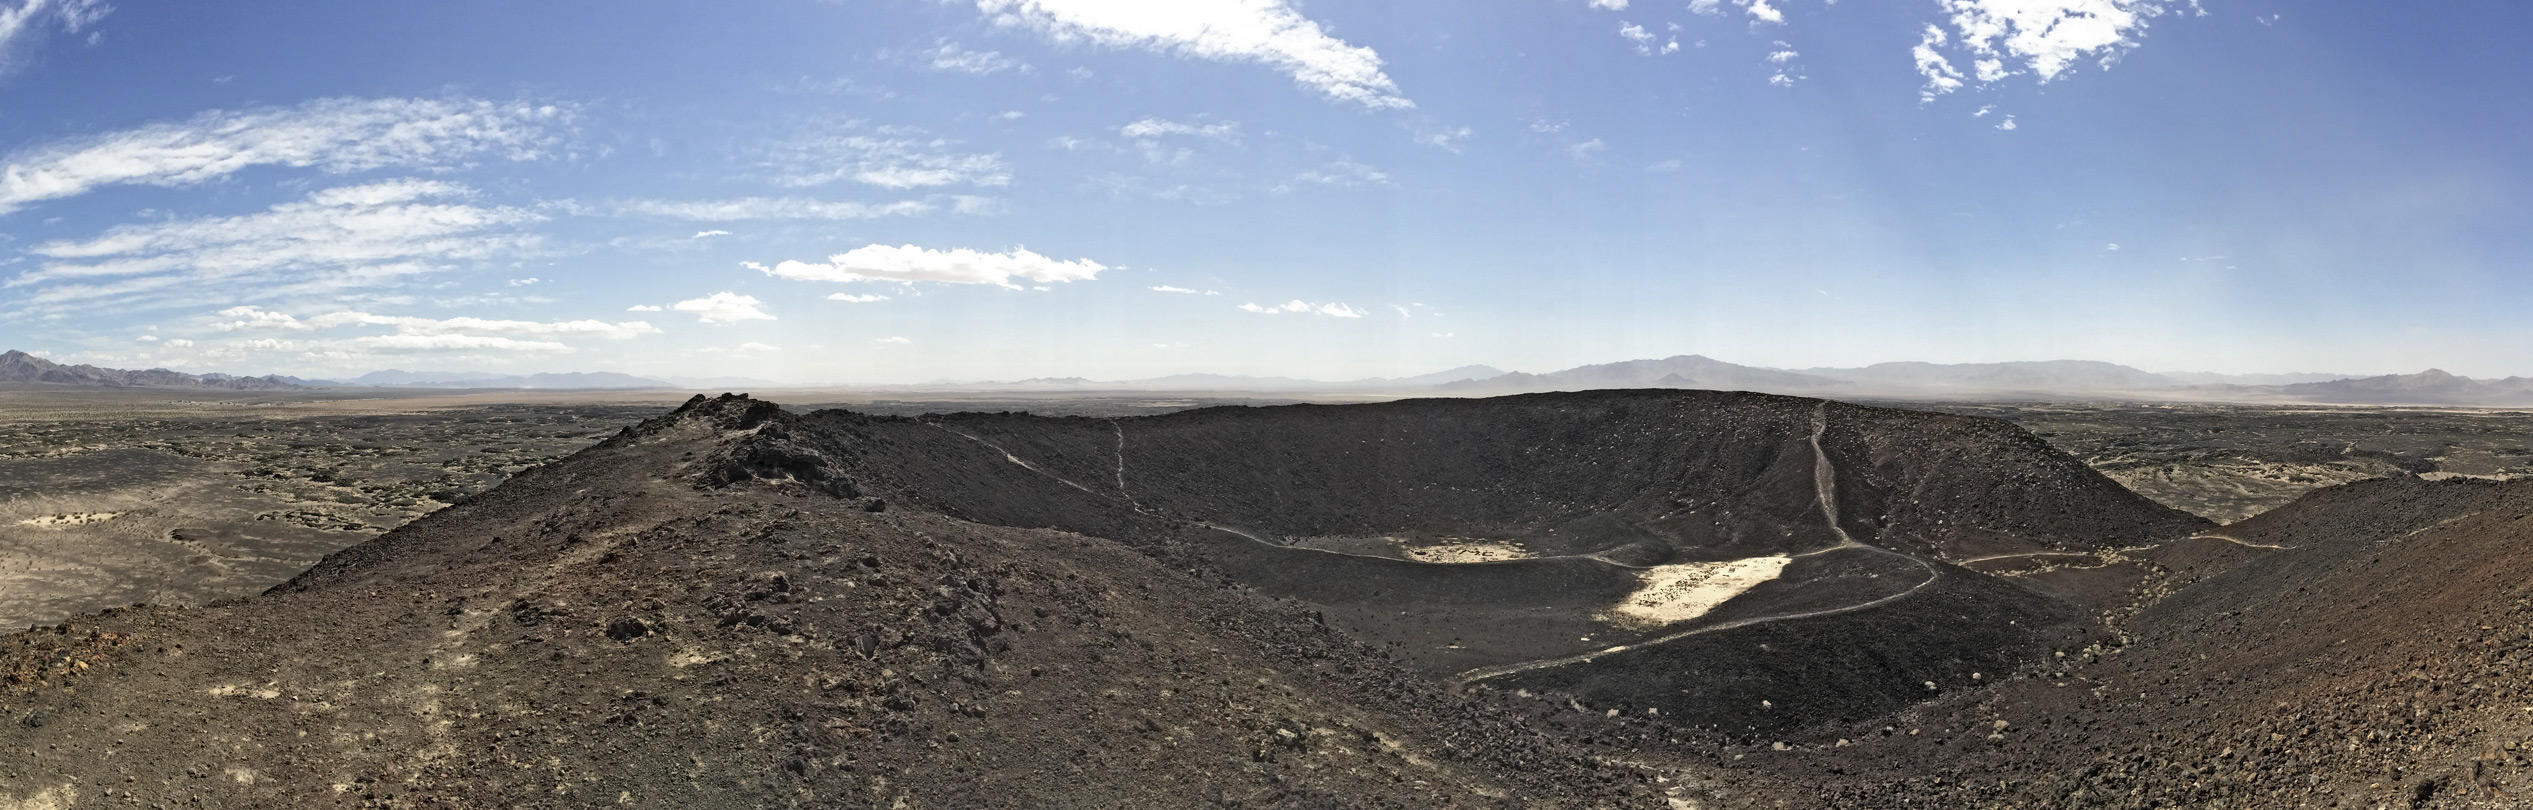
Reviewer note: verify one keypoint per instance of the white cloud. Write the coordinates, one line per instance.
(1706, 7)
(435, 343)
(1637, 34)
(1169, 289)
(409, 334)
(907, 264)
(442, 326)
(724, 308)
(1447, 140)
(850, 298)
(642, 308)
(950, 58)
(1782, 56)
(2007, 124)
(332, 135)
(1586, 150)
(177, 343)
(897, 341)
(753, 346)
(27, 17)
(1344, 173)
(1940, 75)
(748, 208)
(1665, 166)
(522, 282)
(2044, 36)
(1760, 11)
(258, 318)
(892, 163)
(1149, 128)
(1611, 5)
(1331, 309)
(710, 234)
(976, 206)
(335, 239)
(1264, 31)
(250, 318)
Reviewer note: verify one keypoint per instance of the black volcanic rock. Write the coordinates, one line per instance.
(1596, 486)
(734, 605)
(2365, 646)
(20, 367)
(637, 626)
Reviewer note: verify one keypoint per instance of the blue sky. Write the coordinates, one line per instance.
(913, 190)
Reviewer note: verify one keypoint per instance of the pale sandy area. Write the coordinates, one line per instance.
(72, 519)
(1467, 552)
(1670, 594)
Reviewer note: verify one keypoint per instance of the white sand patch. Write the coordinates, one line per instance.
(71, 519)
(1678, 593)
(51, 798)
(687, 658)
(1467, 552)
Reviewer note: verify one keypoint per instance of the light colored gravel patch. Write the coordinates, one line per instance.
(1475, 551)
(1677, 593)
(72, 519)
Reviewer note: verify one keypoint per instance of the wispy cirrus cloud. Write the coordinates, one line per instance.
(23, 20)
(332, 240)
(1332, 309)
(749, 208)
(258, 330)
(1761, 11)
(908, 264)
(250, 318)
(1269, 32)
(1148, 129)
(949, 57)
(338, 135)
(888, 162)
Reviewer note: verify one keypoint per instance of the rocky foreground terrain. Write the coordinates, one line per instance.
(107, 502)
(1771, 601)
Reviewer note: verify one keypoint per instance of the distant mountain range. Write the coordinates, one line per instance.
(1228, 382)
(2052, 379)
(20, 367)
(397, 378)
(2035, 380)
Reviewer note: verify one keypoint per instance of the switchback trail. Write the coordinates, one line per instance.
(1824, 486)
(2243, 543)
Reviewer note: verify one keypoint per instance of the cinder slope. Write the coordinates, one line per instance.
(2366, 646)
(1857, 508)
(602, 631)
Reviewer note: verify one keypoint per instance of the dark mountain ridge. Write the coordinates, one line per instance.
(20, 367)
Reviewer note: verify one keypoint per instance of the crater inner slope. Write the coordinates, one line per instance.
(1865, 507)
